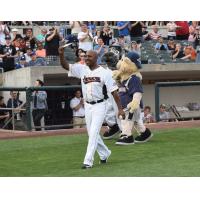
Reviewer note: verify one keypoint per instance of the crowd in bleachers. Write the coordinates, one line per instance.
(181, 44)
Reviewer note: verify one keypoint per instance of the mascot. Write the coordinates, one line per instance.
(129, 81)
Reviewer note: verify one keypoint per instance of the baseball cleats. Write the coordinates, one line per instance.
(113, 131)
(106, 160)
(85, 166)
(144, 137)
(125, 140)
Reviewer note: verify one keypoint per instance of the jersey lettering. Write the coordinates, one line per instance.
(91, 79)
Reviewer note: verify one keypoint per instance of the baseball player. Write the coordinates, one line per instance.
(93, 78)
(130, 92)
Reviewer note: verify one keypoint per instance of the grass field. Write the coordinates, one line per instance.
(173, 153)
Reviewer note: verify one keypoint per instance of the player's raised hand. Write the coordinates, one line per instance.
(61, 50)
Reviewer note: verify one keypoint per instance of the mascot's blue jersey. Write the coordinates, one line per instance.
(128, 88)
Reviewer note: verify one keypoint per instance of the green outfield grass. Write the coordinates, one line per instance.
(169, 153)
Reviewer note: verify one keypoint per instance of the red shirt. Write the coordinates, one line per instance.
(184, 28)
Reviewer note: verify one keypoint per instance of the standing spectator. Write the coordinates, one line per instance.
(39, 104)
(100, 48)
(75, 27)
(154, 34)
(171, 30)
(164, 115)
(85, 38)
(92, 27)
(123, 29)
(4, 114)
(77, 105)
(36, 61)
(40, 51)
(136, 30)
(182, 31)
(42, 35)
(106, 35)
(30, 39)
(3, 32)
(52, 44)
(8, 54)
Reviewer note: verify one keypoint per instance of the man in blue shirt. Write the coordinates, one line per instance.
(36, 61)
(123, 30)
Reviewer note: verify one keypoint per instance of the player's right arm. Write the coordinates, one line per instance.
(63, 62)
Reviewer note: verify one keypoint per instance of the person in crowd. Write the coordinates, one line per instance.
(106, 35)
(147, 116)
(14, 33)
(28, 54)
(85, 38)
(52, 44)
(171, 30)
(75, 27)
(189, 53)
(40, 51)
(92, 27)
(154, 34)
(8, 54)
(97, 35)
(163, 115)
(171, 45)
(41, 37)
(39, 105)
(123, 29)
(145, 33)
(135, 47)
(160, 45)
(136, 30)
(19, 42)
(30, 39)
(100, 48)
(22, 62)
(77, 105)
(178, 53)
(4, 114)
(3, 32)
(36, 61)
(182, 31)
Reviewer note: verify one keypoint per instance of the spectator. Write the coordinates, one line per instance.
(39, 105)
(22, 62)
(14, 33)
(164, 115)
(85, 38)
(3, 32)
(189, 53)
(182, 31)
(52, 44)
(97, 35)
(135, 47)
(123, 29)
(136, 30)
(8, 54)
(154, 34)
(160, 45)
(19, 42)
(100, 48)
(92, 27)
(145, 34)
(197, 39)
(4, 114)
(40, 51)
(171, 30)
(75, 27)
(106, 35)
(81, 57)
(41, 37)
(30, 39)
(178, 53)
(28, 54)
(14, 102)
(36, 61)
(171, 45)
(77, 105)
(147, 116)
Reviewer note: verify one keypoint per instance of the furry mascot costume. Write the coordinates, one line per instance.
(130, 91)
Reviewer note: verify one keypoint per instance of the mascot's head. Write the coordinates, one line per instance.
(110, 59)
(128, 66)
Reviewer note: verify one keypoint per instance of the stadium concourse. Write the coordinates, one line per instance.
(7, 134)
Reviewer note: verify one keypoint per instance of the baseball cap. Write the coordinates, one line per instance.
(7, 37)
(135, 58)
(163, 105)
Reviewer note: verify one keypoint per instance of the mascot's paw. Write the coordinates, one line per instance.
(116, 75)
(133, 105)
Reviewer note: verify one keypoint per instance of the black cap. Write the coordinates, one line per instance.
(7, 37)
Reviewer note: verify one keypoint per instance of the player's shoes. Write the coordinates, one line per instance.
(113, 131)
(85, 166)
(106, 160)
(125, 140)
(144, 137)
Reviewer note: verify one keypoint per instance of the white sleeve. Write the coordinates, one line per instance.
(76, 70)
(111, 85)
(73, 104)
